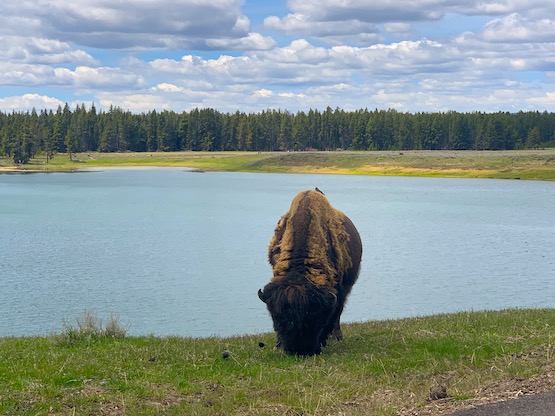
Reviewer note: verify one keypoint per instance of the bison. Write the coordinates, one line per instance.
(315, 255)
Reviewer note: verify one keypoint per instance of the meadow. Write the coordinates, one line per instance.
(516, 164)
(428, 365)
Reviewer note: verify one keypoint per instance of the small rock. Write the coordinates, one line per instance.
(225, 354)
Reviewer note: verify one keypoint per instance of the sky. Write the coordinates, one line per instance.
(296, 55)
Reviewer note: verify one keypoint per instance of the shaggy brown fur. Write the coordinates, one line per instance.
(310, 238)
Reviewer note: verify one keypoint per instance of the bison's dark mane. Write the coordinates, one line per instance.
(297, 297)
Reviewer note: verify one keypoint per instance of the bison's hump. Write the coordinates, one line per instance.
(310, 239)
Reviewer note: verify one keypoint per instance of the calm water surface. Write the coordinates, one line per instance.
(180, 253)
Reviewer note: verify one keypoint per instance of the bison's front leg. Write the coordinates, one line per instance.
(328, 330)
(333, 328)
(278, 343)
(337, 334)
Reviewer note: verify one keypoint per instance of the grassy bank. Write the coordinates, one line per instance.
(522, 164)
(380, 368)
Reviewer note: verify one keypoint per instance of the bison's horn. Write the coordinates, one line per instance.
(334, 298)
(261, 295)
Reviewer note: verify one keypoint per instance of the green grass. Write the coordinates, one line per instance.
(379, 368)
(521, 164)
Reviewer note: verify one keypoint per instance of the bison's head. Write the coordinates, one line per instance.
(300, 314)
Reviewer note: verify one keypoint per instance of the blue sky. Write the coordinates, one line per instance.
(417, 55)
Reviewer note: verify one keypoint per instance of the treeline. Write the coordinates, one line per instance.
(25, 134)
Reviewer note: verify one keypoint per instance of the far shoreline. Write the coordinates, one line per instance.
(136, 167)
(19, 170)
(532, 164)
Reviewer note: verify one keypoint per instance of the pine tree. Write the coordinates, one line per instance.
(533, 138)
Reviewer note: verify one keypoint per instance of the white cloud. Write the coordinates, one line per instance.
(81, 77)
(365, 11)
(296, 23)
(410, 10)
(516, 29)
(264, 93)
(242, 25)
(291, 95)
(398, 28)
(27, 101)
(298, 63)
(168, 88)
(252, 42)
(103, 77)
(121, 24)
(297, 52)
(361, 21)
(32, 50)
(499, 7)
(407, 57)
(135, 102)
(546, 100)
(27, 75)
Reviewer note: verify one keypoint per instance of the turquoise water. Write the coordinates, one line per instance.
(180, 253)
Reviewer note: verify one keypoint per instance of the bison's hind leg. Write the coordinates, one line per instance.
(334, 327)
(331, 330)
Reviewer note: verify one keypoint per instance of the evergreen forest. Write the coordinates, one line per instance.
(26, 134)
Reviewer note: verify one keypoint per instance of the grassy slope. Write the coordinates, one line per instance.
(380, 368)
(525, 164)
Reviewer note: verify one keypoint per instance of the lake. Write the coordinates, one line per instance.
(180, 253)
